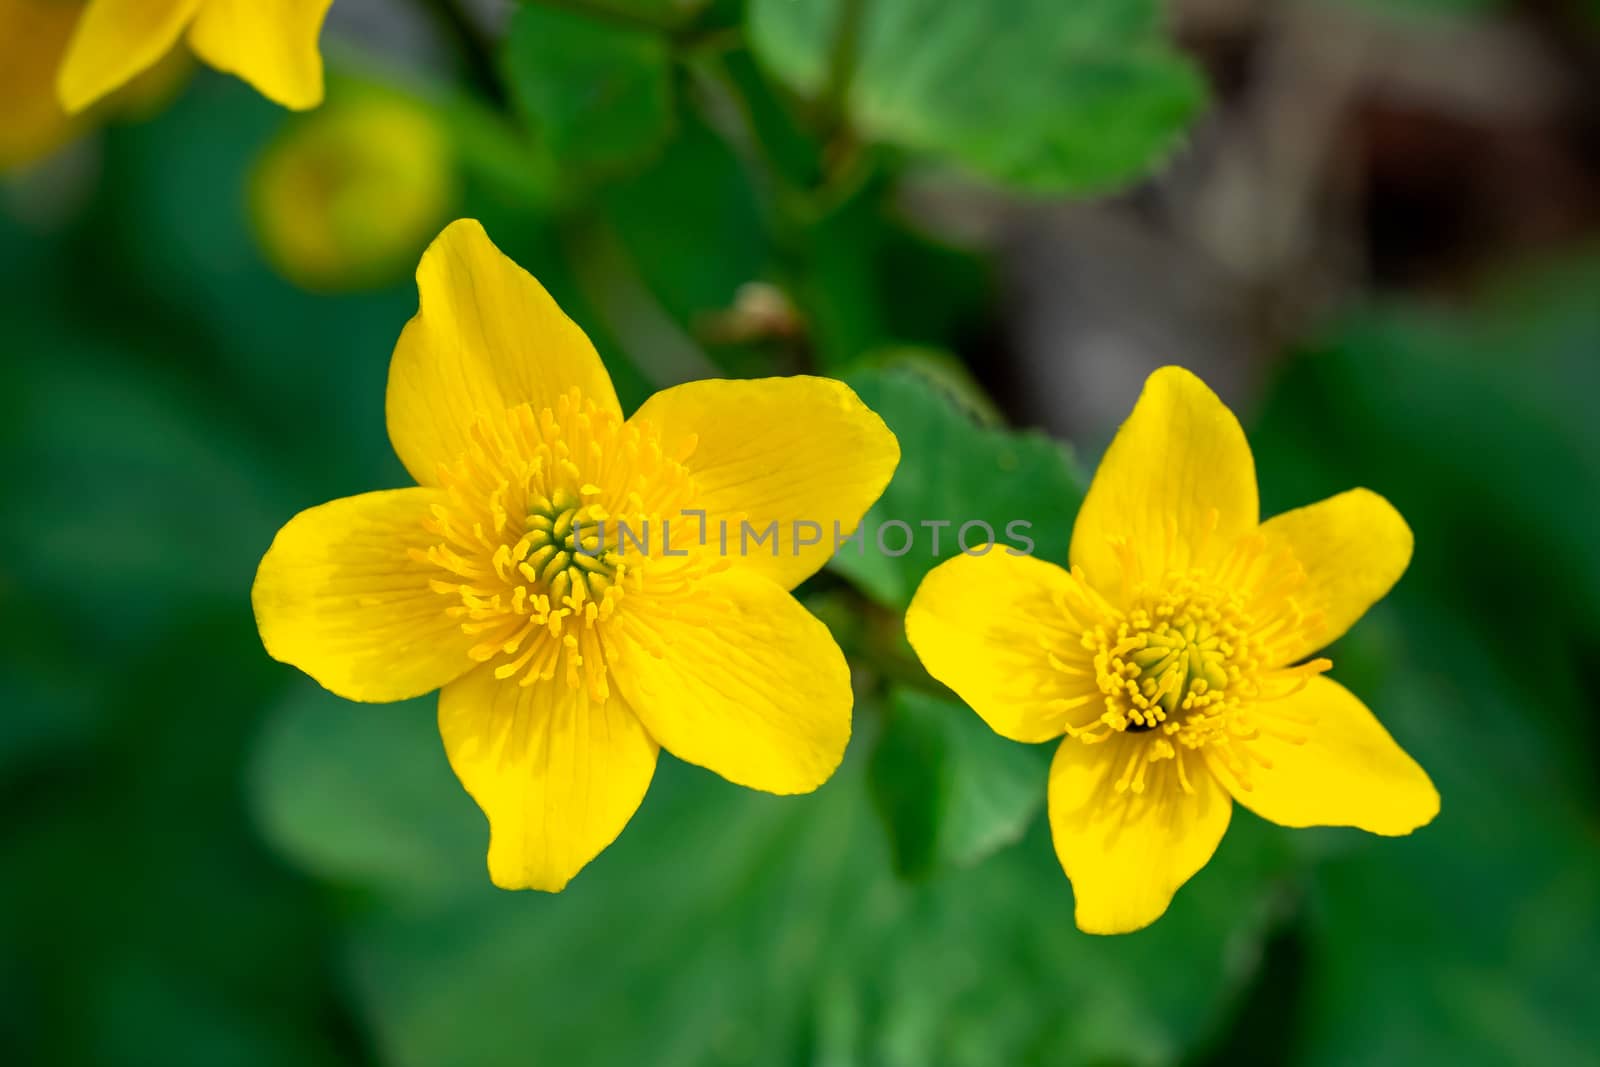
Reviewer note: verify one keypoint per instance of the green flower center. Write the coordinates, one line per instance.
(564, 550)
(1171, 660)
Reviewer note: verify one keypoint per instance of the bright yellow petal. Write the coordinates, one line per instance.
(272, 44)
(785, 450)
(737, 678)
(115, 41)
(339, 596)
(486, 338)
(1322, 759)
(1127, 853)
(988, 626)
(557, 776)
(1177, 484)
(1353, 547)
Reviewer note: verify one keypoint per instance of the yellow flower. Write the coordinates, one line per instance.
(272, 44)
(1173, 657)
(566, 661)
(34, 35)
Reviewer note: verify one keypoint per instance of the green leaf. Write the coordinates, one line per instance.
(1047, 96)
(598, 94)
(954, 471)
(1472, 941)
(139, 481)
(362, 795)
(951, 790)
(729, 927)
(732, 927)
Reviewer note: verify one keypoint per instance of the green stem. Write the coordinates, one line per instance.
(610, 280)
(842, 61)
(475, 46)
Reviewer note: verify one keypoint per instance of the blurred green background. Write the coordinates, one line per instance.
(1371, 226)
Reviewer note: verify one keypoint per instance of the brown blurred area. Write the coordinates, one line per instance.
(1354, 150)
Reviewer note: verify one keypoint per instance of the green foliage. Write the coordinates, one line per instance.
(951, 790)
(597, 95)
(953, 470)
(730, 927)
(1047, 96)
(210, 860)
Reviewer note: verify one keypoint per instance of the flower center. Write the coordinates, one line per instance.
(565, 553)
(1171, 661)
(520, 539)
(1186, 661)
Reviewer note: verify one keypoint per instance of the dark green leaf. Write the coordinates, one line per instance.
(951, 790)
(362, 795)
(1473, 941)
(733, 928)
(597, 93)
(1040, 94)
(954, 471)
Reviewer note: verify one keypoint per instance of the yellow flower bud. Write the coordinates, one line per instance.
(348, 196)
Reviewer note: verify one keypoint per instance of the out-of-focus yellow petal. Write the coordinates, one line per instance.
(778, 450)
(1178, 484)
(487, 337)
(33, 38)
(991, 628)
(116, 40)
(1354, 547)
(272, 44)
(1322, 759)
(557, 775)
(1128, 852)
(339, 596)
(738, 678)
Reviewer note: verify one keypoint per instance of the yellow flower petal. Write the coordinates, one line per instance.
(272, 44)
(781, 450)
(33, 38)
(987, 627)
(339, 596)
(1354, 547)
(1128, 852)
(486, 338)
(115, 41)
(1323, 760)
(737, 678)
(557, 776)
(1177, 482)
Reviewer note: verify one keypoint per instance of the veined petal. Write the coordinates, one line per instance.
(778, 450)
(557, 775)
(988, 626)
(1323, 759)
(115, 41)
(1128, 852)
(1353, 547)
(487, 337)
(738, 678)
(1177, 485)
(272, 44)
(339, 596)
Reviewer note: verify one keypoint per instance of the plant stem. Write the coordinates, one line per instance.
(842, 59)
(472, 43)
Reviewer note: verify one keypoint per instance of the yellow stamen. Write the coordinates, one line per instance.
(521, 547)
